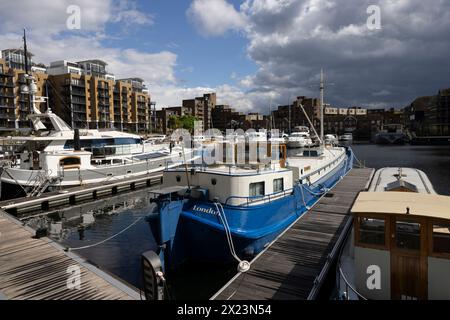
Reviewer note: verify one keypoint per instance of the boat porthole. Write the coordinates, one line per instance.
(178, 178)
(213, 182)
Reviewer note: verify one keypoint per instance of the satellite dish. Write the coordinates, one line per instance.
(24, 89)
(33, 87)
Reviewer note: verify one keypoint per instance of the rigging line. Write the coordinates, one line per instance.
(107, 239)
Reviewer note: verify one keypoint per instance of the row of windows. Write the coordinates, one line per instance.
(407, 234)
(258, 188)
(100, 143)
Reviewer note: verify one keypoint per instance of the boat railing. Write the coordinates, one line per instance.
(231, 169)
(341, 275)
(309, 174)
(262, 198)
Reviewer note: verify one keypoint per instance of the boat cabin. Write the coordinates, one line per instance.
(234, 183)
(402, 245)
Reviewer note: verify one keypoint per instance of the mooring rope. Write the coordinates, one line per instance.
(105, 240)
(243, 265)
(360, 164)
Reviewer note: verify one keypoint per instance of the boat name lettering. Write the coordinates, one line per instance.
(204, 210)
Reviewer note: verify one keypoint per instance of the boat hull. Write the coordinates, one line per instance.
(200, 234)
(16, 181)
(296, 144)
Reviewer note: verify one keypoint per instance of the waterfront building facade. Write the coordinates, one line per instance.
(14, 105)
(83, 93)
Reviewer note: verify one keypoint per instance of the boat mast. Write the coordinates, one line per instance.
(289, 106)
(25, 50)
(29, 80)
(321, 104)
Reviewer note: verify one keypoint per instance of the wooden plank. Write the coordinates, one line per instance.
(288, 268)
(35, 269)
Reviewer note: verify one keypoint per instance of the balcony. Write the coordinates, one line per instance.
(6, 95)
(78, 93)
(6, 74)
(7, 116)
(78, 102)
(7, 106)
(24, 108)
(7, 84)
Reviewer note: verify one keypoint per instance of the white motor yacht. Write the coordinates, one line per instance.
(56, 158)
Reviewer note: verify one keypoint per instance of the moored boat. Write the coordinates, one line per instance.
(399, 247)
(233, 211)
(391, 134)
(60, 158)
(300, 138)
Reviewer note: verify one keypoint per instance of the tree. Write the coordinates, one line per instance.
(187, 122)
(173, 123)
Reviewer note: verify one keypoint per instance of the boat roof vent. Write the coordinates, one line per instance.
(401, 185)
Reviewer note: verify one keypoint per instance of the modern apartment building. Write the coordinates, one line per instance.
(15, 58)
(90, 97)
(287, 117)
(201, 108)
(83, 93)
(225, 117)
(14, 105)
(429, 115)
(163, 115)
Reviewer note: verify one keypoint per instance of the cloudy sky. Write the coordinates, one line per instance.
(253, 53)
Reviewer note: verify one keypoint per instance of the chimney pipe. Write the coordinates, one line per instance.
(76, 140)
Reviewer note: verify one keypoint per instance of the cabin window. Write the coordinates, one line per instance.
(278, 185)
(178, 178)
(70, 161)
(372, 231)
(441, 238)
(407, 235)
(256, 189)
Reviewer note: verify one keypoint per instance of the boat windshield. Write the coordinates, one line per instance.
(34, 145)
(108, 146)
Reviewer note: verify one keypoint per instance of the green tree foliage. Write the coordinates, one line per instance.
(183, 122)
(187, 122)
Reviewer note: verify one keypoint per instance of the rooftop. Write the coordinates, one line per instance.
(419, 204)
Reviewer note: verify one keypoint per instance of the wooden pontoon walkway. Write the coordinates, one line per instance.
(296, 263)
(40, 269)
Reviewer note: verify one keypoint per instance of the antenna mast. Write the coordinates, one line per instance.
(321, 105)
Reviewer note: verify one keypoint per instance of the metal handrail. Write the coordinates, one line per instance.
(259, 198)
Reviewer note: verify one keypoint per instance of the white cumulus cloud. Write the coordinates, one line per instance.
(215, 17)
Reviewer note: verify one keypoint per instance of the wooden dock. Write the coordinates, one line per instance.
(80, 194)
(296, 263)
(40, 269)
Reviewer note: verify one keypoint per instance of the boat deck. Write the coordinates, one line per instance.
(296, 263)
(33, 268)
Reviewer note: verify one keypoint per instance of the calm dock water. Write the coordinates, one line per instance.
(88, 224)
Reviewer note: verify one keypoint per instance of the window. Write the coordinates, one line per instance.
(278, 185)
(371, 231)
(407, 235)
(256, 189)
(441, 238)
(70, 161)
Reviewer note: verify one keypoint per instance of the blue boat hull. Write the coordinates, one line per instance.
(200, 235)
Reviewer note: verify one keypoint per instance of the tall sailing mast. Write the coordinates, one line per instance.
(321, 104)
